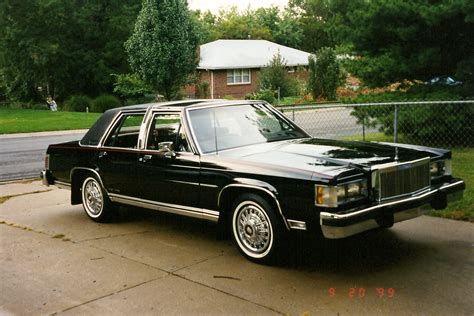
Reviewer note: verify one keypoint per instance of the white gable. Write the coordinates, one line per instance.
(232, 54)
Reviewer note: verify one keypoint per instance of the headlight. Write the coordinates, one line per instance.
(440, 168)
(333, 196)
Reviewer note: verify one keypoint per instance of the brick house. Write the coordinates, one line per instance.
(231, 67)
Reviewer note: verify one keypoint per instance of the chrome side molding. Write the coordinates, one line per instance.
(209, 215)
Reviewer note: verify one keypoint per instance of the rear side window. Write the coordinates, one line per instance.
(95, 133)
(125, 132)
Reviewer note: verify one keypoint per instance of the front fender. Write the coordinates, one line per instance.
(254, 185)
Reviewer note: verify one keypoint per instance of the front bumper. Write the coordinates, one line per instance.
(46, 178)
(336, 226)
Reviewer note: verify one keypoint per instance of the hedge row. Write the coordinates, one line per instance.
(82, 103)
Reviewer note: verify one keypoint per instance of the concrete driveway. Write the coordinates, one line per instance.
(53, 259)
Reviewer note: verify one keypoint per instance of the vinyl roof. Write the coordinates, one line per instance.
(95, 133)
(234, 54)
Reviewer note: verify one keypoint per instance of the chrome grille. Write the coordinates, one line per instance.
(399, 179)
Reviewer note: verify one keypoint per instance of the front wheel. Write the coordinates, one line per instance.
(255, 228)
(94, 200)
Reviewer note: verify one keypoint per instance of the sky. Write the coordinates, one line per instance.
(216, 5)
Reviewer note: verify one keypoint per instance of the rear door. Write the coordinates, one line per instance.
(117, 158)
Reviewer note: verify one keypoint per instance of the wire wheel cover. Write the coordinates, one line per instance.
(253, 228)
(93, 198)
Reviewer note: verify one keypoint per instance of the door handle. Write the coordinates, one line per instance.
(145, 158)
(102, 154)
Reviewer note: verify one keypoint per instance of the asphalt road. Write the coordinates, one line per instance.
(53, 259)
(328, 123)
(22, 156)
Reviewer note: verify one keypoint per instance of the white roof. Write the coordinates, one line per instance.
(232, 54)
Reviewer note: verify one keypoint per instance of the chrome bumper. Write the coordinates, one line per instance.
(46, 178)
(336, 226)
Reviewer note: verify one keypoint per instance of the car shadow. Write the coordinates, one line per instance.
(366, 252)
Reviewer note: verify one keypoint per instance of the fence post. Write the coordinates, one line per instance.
(395, 125)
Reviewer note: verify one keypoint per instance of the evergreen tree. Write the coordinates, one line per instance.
(275, 76)
(325, 74)
(162, 48)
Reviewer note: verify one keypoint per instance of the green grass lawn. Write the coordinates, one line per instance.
(463, 167)
(25, 121)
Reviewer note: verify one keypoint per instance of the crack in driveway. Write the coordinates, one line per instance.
(174, 274)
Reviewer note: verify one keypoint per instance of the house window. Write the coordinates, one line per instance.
(238, 76)
(291, 69)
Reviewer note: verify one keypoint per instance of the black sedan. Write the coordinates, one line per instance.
(247, 167)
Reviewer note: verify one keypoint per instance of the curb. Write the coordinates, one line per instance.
(50, 133)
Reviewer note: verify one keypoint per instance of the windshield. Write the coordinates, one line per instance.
(221, 128)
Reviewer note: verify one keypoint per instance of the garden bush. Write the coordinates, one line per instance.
(39, 106)
(104, 102)
(264, 94)
(77, 103)
(275, 76)
(434, 124)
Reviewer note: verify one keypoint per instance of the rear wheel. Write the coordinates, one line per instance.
(256, 230)
(95, 201)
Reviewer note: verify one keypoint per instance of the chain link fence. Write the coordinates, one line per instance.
(448, 124)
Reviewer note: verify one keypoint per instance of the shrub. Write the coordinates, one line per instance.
(77, 103)
(148, 98)
(264, 94)
(435, 124)
(104, 102)
(275, 75)
(202, 89)
(40, 106)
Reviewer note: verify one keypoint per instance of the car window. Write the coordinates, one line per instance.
(226, 127)
(166, 130)
(125, 132)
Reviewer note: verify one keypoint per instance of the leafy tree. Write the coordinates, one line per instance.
(289, 31)
(28, 56)
(285, 29)
(275, 76)
(162, 48)
(263, 23)
(205, 25)
(323, 23)
(104, 26)
(325, 74)
(232, 25)
(416, 39)
(60, 48)
(130, 86)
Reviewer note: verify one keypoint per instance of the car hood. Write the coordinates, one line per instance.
(326, 157)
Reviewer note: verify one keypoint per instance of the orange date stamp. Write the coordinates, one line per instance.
(362, 292)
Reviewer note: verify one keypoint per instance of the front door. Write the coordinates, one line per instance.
(168, 169)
